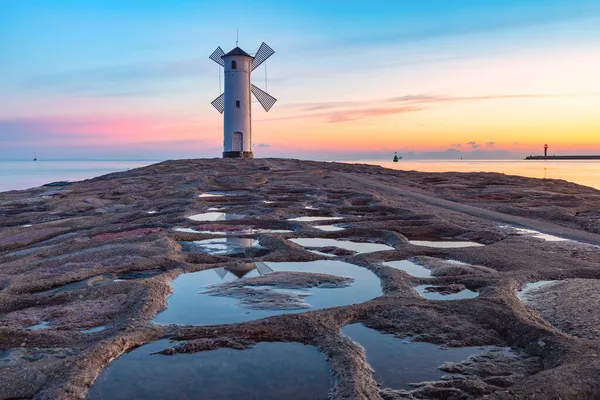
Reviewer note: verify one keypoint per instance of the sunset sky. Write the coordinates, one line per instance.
(131, 79)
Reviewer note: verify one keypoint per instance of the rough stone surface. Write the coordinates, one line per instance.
(88, 232)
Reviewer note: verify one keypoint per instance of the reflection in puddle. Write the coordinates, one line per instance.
(410, 267)
(311, 219)
(310, 208)
(189, 305)
(211, 195)
(538, 235)
(94, 330)
(249, 231)
(266, 371)
(320, 253)
(444, 244)
(151, 212)
(358, 247)
(432, 292)
(214, 216)
(225, 246)
(42, 325)
(530, 287)
(329, 228)
(398, 363)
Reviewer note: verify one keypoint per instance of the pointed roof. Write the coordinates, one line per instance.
(236, 52)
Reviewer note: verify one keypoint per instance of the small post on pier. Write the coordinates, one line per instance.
(545, 151)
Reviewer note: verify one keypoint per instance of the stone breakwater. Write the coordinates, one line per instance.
(86, 267)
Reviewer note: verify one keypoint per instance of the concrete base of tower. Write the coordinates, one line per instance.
(238, 154)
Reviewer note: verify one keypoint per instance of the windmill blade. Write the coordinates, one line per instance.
(264, 52)
(219, 103)
(264, 98)
(216, 56)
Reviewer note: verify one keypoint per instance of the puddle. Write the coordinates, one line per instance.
(398, 362)
(266, 371)
(26, 226)
(94, 330)
(151, 212)
(435, 295)
(536, 234)
(310, 208)
(86, 283)
(214, 216)
(127, 275)
(42, 325)
(321, 253)
(268, 201)
(410, 268)
(358, 247)
(190, 306)
(311, 219)
(211, 195)
(444, 244)
(531, 286)
(230, 246)
(250, 231)
(329, 228)
(215, 208)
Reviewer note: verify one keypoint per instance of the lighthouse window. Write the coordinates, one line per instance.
(237, 103)
(233, 65)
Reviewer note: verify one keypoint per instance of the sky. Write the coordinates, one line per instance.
(131, 79)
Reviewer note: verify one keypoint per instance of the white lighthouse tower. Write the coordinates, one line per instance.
(236, 101)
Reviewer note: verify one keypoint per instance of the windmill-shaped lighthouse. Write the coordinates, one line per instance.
(236, 101)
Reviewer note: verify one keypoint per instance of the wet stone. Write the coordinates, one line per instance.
(265, 371)
(448, 292)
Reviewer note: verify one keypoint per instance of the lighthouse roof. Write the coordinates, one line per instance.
(236, 52)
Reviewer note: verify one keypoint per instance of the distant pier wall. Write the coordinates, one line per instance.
(563, 158)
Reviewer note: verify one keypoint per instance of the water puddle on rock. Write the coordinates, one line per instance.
(265, 371)
(444, 244)
(311, 219)
(398, 362)
(320, 253)
(329, 228)
(128, 275)
(530, 287)
(190, 304)
(94, 330)
(42, 325)
(214, 216)
(151, 212)
(536, 234)
(229, 246)
(359, 247)
(248, 231)
(203, 195)
(448, 292)
(410, 268)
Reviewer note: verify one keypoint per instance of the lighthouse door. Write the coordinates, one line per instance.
(237, 141)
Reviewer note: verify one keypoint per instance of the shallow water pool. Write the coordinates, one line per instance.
(266, 371)
(188, 304)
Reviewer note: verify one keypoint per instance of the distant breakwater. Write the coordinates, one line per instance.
(563, 157)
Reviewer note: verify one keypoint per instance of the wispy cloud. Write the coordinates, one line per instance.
(136, 79)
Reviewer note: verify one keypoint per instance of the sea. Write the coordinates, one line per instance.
(17, 175)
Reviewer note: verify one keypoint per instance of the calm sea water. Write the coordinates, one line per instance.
(26, 174)
(582, 172)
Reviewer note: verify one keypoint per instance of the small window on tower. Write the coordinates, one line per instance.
(233, 65)
(237, 104)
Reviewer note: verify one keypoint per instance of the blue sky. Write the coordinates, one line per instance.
(131, 79)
